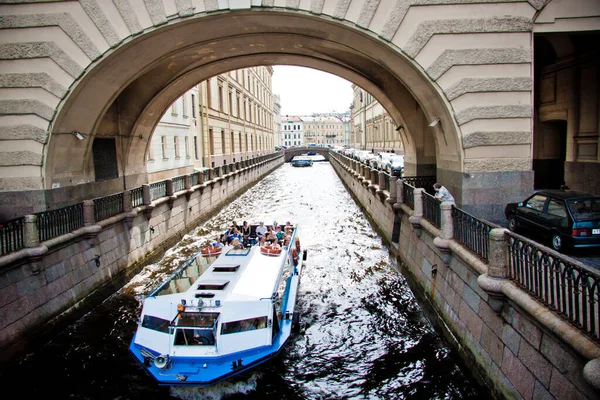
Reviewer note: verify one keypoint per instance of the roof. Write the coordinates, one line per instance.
(566, 194)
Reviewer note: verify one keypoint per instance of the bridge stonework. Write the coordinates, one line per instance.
(110, 69)
(514, 346)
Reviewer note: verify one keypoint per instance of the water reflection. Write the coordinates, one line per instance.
(362, 334)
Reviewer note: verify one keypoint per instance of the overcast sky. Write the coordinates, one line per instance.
(304, 91)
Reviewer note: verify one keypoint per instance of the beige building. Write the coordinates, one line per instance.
(372, 126)
(323, 130)
(224, 119)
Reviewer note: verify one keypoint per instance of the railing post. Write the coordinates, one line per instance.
(187, 182)
(393, 191)
(169, 187)
(127, 201)
(415, 219)
(374, 178)
(31, 232)
(147, 200)
(446, 232)
(146, 194)
(497, 273)
(88, 213)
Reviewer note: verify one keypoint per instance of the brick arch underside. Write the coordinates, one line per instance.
(126, 92)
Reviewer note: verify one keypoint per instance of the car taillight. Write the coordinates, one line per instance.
(581, 232)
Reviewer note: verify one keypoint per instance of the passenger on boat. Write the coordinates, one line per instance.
(246, 230)
(271, 237)
(237, 244)
(280, 234)
(261, 229)
(261, 241)
(234, 225)
(221, 240)
(286, 240)
(235, 234)
(275, 225)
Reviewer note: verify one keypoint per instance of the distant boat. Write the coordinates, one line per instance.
(225, 311)
(302, 161)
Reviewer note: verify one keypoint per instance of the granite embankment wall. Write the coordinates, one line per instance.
(54, 282)
(514, 345)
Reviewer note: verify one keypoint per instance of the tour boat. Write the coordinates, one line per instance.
(224, 311)
(302, 161)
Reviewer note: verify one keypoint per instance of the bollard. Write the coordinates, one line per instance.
(31, 237)
(88, 213)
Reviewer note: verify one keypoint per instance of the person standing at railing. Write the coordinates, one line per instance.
(443, 194)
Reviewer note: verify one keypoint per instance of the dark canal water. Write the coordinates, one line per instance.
(363, 336)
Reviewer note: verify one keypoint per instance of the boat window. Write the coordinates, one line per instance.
(212, 286)
(194, 337)
(155, 323)
(239, 252)
(197, 319)
(226, 268)
(204, 295)
(244, 325)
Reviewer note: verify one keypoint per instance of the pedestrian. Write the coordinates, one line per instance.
(442, 194)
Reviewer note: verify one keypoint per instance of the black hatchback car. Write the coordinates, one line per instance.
(570, 219)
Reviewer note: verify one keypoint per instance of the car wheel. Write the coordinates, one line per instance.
(557, 242)
(513, 225)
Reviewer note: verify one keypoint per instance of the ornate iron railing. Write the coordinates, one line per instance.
(108, 206)
(178, 183)
(408, 192)
(59, 222)
(570, 289)
(216, 171)
(224, 168)
(158, 190)
(472, 232)
(425, 182)
(206, 175)
(194, 178)
(431, 209)
(137, 196)
(12, 235)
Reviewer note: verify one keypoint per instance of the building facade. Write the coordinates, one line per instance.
(292, 131)
(227, 118)
(372, 126)
(323, 130)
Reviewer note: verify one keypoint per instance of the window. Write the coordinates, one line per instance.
(232, 143)
(163, 142)
(184, 106)
(176, 145)
(196, 147)
(222, 142)
(208, 94)
(156, 324)
(187, 148)
(105, 159)
(536, 202)
(557, 208)
(230, 105)
(212, 286)
(193, 106)
(211, 141)
(244, 325)
(220, 98)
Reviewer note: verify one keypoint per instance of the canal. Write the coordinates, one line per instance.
(362, 333)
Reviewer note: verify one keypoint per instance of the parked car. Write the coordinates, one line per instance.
(396, 165)
(570, 219)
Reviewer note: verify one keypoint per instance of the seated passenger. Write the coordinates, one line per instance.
(237, 244)
(279, 234)
(271, 237)
(235, 234)
(261, 229)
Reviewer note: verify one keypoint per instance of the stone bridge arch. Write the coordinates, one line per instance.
(296, 151)
(109, 69)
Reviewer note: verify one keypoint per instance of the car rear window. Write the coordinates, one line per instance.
(585, 209)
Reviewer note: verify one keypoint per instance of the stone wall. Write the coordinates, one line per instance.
(512, 344)
(53, 283)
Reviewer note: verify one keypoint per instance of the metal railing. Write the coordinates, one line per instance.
(12, 235)
(158, 190)
(54, 223)
(431, 209)
(408, 192)
(179, 183)
(472, 232)
(572, 290)
(425, 182)
(108, 206)
(194, 178)
(59, 222)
